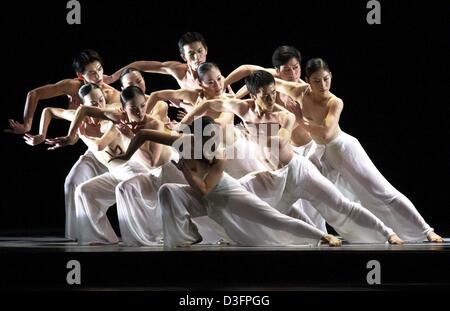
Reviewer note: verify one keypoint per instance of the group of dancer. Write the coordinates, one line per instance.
(268, 165)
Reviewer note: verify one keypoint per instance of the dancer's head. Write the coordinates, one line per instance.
(286, 60)
(211, 79)
(92, 95)
(88, 65)
(318, 75)
(261, 86)
(134, 103)
(131, 76)
(193, 49)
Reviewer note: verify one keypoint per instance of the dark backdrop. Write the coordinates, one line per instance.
(392, 77)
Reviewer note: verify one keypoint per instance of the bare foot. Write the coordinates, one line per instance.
(394, 239)
(434, 238)
(331, 240)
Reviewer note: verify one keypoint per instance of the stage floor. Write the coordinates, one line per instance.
(47, 263)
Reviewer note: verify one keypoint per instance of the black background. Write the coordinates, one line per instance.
(392, 77)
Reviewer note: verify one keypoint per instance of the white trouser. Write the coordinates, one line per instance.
(93, 199)
(84, 169)
(246, 219)
(345, 162)
(301, 179)
(305, 209)
(140, 214)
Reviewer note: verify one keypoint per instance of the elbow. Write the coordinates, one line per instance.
(33, 94)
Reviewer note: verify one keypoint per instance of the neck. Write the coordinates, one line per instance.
(319, 96)
(192, 72)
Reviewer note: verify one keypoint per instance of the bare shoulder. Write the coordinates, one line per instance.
(335, 101)
(70, 86)
(179, 69)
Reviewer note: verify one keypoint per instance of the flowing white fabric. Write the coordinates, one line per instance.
(345, 163)
(301, 179)
(246, 219)
(84, 169)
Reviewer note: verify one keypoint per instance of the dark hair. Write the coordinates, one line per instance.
(204, 68)
(257, 80)
(283, 54)
(127, 71)
(84, 58)
(86, 89)
(314, 65)
(129, 93)
(190, 37)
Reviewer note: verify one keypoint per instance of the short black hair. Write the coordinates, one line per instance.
(283, 54)
(129, 93)
(257, 80)
(314, 65)
(86, 89)
(190, 37)
(84, 58)
(204, 68)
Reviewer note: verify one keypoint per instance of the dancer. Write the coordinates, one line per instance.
(214, 193)
(293, 177)
(88, 67)
(343, 160)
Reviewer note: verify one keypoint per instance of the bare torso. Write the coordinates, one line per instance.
(263, 129)
(315, 111)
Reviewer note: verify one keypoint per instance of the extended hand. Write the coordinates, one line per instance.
(16, 127)
(34, 140)
(59, 142)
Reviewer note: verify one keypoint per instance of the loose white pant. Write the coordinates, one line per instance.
(345, 162)
(246, 219)
(139, 214)
(84, 169)
(301, 179)
(93, 199)
(306, 210)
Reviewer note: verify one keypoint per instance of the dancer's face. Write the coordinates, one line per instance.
(212, 82)
(320, 81)
(95, 99)
(290, 71)
(136, 108)
(93, 73)
(133, 78)
(266, 96)
(194, 54)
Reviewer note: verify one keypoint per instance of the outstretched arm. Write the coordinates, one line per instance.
(99, 143)
(295, 90)
(82, 112)
(145, 134)
(47, 115)
(186, 95)
(243, 71)
(236, 106)
(63, 87)
(168, 68)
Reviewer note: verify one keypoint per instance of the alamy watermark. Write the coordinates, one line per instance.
(374, 15)
(227, 142)
(74, 15)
